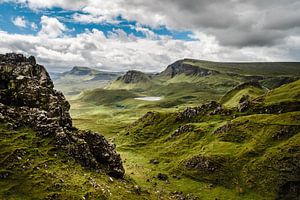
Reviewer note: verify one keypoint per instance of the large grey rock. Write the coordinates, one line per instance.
(27, 98)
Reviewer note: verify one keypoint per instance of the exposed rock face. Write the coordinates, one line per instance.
(27, 98)
(179, 67)
(182, 129)
(134, 76)
(211, 108)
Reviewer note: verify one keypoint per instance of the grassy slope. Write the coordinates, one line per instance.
(263, 68)
(148, 139)
(31, 168)
(232, 98)
(248, 156)
(288, 92)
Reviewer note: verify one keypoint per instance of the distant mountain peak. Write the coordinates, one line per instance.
(182, 67)
(81, 71)
(134, 76)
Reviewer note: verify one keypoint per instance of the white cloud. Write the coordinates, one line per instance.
(33, 26)
(96, 19)
(121, 52)
(51, 27)
(146, 31)
(233, 22)
(19, 21)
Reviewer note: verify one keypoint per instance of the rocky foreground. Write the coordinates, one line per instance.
(28, 99)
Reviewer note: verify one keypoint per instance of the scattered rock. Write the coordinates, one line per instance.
(182, 129)
(137, 189)
(154, 161)
(162, 177)
(206, 109)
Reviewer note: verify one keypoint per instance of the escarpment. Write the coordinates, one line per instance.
(28, 99)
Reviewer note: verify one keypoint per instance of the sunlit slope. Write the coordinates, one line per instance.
(256, 155)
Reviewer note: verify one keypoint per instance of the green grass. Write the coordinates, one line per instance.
(31, 168)
(233, 97)
(106, 97)
(247, 155)
(251, 69)
(286, 93)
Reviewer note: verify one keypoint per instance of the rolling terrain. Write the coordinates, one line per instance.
(213, 131)
(238, 138)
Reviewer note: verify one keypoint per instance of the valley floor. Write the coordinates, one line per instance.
(137, 156)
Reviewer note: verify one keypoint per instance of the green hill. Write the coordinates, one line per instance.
(256, 155)
(106, 97)
(250, 90)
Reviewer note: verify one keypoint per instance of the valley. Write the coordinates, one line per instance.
(147, 131)
(192, 131)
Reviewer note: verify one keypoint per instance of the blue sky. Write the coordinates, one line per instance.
(119, 35)
(10, 10)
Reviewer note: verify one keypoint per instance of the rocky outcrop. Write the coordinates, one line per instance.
(179, 67)
(211, 108)
(134, 76)
(27, 98)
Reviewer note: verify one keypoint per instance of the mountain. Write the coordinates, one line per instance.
(214, 130)
(81, 71)
(42, 155)
(181, 67)
(90, 74)
(79, 79)
(132, 79)
(134, 76)
(190, 82)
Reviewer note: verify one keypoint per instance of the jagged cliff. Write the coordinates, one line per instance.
(27, 99)
(180, 67)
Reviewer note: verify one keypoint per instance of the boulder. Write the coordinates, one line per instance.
(28, 99)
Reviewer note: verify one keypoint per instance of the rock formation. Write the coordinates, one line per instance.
(27, 98)
(134, 76)
(179, 67)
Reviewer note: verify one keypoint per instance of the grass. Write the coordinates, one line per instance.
(251, 69)
(251, 157)
(286, 93)
(31, 168)
(233, 97)
(247, 155)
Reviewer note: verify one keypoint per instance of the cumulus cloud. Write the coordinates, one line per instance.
(51, 27)
(223, 30)
(233, 22)
(120, 52)
(19, 21)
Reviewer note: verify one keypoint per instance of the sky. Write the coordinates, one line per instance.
(120, 35)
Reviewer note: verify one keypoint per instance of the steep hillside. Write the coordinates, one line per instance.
(190, 82)
(253, 152)
(42, 155)
(132, 80)
(249, 69)
(250, 90)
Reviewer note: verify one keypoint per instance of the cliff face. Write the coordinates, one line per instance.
(27, 99)
(179, 67)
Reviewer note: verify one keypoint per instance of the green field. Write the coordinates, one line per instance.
(243, 151)
(182, 146)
